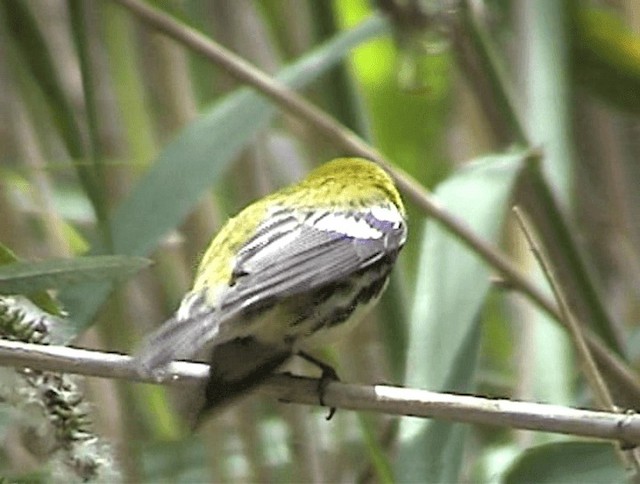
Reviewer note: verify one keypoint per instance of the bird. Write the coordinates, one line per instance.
(292, 272)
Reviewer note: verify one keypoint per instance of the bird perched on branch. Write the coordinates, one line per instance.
(291, 272)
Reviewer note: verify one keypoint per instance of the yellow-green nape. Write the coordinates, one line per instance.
(357, 180)
(339, 166)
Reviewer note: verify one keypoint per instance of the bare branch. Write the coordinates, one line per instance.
(378, 398)
(576, 329)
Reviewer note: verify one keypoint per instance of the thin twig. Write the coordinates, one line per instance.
(378, 398)
(593, 375)
(588, 364)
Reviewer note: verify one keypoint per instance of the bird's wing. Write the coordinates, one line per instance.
(288, 255)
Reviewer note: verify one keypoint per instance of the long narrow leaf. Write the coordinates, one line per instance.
(40, 298)
(451, 288)
(27, 277)
(567, 462)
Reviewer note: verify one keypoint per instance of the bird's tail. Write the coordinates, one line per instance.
(180, 337)
(237, 367)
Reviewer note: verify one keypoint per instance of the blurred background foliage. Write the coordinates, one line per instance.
(117, 140)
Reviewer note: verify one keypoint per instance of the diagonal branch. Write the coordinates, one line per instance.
(377, 398)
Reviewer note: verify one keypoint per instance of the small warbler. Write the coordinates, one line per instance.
(290, 272)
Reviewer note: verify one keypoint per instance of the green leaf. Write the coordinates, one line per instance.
(197, 157)
(7, 256)
(380, 461)
(27, 277)
(606, 56)
(567, 462)
(451, 288)
(442, 441)
(42, 299)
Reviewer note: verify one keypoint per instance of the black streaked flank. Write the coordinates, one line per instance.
(341, 314)
(372, 290)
